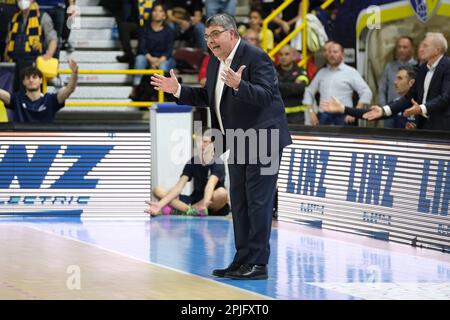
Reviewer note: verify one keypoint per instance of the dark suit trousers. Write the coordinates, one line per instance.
(252, 201)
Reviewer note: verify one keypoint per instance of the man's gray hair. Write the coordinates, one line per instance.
(438, 40)
(222, 20)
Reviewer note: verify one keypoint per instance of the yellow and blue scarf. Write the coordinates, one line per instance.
(33, 32)
(145, 8)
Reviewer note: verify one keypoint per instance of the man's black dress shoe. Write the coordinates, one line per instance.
(221, 272)
(248, 272)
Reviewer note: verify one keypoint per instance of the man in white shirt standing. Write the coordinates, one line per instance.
(336, 80)
(429, 97)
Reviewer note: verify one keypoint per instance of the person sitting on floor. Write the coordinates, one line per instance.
(209, 196)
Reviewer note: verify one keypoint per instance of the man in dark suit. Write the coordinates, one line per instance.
(242, 91)
(429, 97)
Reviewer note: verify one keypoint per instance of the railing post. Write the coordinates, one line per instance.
(305, 5)
(269, 18)
(44, 84)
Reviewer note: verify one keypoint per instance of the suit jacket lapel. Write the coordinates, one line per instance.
(421, 76)
(235, 64)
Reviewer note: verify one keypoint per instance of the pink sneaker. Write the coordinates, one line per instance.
(202, 213)
(166, 210)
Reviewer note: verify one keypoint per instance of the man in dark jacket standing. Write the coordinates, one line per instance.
(429, 97)
(292, 80)
(242, 91)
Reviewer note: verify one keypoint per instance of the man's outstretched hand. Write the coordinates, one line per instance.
(414, 110)
(374, 113)
(332, 105)
(166, 84)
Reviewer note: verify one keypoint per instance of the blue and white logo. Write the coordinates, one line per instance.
(425, 9)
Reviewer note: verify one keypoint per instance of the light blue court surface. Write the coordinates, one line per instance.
(306, 263)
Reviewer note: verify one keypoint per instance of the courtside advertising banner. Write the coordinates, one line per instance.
(74, 173)
(387, 189)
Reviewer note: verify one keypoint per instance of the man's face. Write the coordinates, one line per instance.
(252, 38)
(32, 83)
(325, 49)
(405, 50)
(428, 49)
(220, 41)
(286, 56)
(335, 55)
(421, 53)
(402, 82)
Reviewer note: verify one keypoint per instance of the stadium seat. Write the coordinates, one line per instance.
(189, 60)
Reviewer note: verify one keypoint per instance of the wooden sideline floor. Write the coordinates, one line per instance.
(39, 265)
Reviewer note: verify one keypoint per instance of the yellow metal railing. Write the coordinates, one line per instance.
(326, 4)
(302, 27)
(268, 19)
(115, 103)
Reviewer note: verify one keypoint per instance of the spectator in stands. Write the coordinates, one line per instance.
(322, 59)
(31, 34)
(290, 17)
(265, 6)
(69, 14)
(136, 14)
(252, 37)
(255, 24)
(339, 80)
(404, 55)
(7, 10)
(155, 43)
(114, 7)
(429, 97)
(209, 196)
(311, 67)
(32, 106)
(292, 81)
(404, 80)
(56, 9)
(185, 17)
(280, 23)
(220, 6)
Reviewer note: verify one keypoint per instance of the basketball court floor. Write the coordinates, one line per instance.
(171, 257)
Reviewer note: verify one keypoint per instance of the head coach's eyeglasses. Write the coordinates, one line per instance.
(214, 35)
